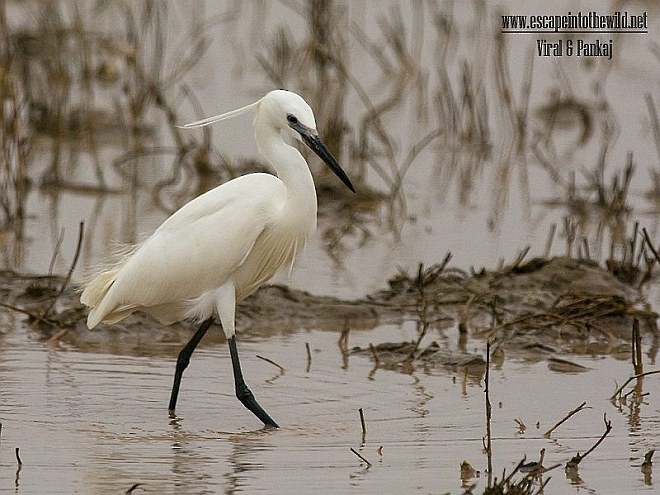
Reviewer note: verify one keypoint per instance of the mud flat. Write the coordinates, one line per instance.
(537, 308)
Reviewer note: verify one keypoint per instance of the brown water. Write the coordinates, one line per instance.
(94, 422)
(93, 419)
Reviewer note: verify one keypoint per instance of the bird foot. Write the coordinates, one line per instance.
(245, 395)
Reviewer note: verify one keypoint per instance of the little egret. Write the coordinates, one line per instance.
(223, 245)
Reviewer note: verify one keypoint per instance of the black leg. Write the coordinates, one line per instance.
(183, 360)
(243, 393)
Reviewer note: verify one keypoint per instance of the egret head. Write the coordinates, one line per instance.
(284, 109)
(290, 114)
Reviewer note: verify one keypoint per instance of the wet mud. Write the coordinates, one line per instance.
(534, 309)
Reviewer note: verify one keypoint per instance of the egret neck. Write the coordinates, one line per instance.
(292, 169)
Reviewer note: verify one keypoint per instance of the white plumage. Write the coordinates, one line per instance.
(223, 245)
(223, 236)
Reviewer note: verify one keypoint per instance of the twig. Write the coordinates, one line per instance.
(638, 364)
(374, 353)
(634, 377)
(29, 313)
(521, 425)
(81, 233)
(574, 411)
(132, 488)
(343, 338)
(648, 459)
(422, 311)
(56, 251)
(489, 445)
(364, 426)
(513, 267)
(577, 459)
(534, 467)
(508, 479)
(634, 390)
(647, 238)
(343, 344)
(18, 469)
(360, 456)
(410, 158)
(585, 246)
(58, 335)
(548, 242)
(309, 356)
(281, 368)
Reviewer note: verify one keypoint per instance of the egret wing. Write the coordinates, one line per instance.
(196, 249)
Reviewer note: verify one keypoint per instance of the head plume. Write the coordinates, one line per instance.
(222, 116)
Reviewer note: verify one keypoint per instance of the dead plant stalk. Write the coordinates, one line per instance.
(568, 416)
(488, 445)
(578, 458)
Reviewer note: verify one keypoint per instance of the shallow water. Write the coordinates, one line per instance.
(97, 423)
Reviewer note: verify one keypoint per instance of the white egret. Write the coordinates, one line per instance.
(223, 245)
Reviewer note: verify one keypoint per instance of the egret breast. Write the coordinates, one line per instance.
(276, 247)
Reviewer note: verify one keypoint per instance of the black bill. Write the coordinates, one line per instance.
(316, 145)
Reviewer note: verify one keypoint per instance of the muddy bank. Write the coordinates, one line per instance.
(537, 308)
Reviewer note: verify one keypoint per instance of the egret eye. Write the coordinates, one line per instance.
(291, 119)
